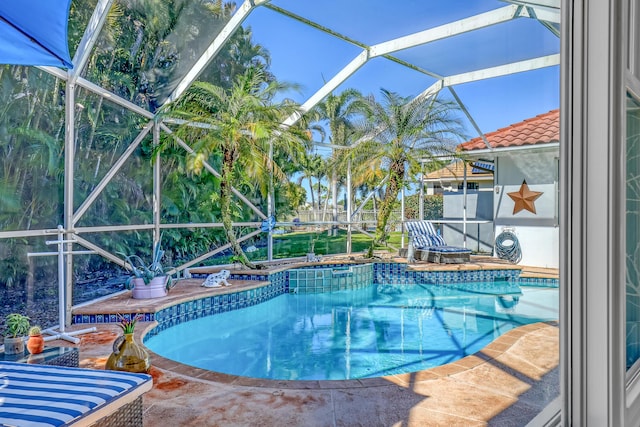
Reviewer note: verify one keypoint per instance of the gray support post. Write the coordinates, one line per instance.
(69, 154)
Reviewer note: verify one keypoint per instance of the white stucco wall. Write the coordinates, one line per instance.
(479, 237)
(538, 233)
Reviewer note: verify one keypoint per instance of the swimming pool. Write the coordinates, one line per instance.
(371, 332)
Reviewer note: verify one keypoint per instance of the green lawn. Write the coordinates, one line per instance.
(298, 244)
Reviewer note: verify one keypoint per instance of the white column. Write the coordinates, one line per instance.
(157, 190)
(592, 258)
(464, 204)
(270, 202)
(69, 157)
(349, 207)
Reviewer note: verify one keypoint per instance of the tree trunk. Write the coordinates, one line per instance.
(319, 198)
(313, 198)
(225, 208)
(386, 206)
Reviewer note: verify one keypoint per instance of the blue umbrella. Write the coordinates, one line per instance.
(34, 32)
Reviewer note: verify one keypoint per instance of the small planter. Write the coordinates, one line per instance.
(35, 344)
(17, 327)
(13, 345)
(160, 283)
(157, 288)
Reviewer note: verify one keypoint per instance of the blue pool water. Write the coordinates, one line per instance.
(370, 332)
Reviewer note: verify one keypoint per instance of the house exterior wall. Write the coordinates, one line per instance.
(538, 233)
(479, 236)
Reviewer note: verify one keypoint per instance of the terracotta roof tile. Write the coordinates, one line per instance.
(541, 129)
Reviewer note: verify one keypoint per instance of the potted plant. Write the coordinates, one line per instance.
(35, 343)
(148, 281)
(127, 355)
(17, 326)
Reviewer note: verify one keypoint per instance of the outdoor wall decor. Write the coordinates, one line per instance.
(524, 198)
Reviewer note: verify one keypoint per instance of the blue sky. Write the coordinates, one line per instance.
(306, 56)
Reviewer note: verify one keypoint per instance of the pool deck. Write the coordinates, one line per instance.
(504, 384)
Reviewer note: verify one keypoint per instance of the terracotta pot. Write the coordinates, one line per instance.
(35, 344)
(13, 345)
(155, 289)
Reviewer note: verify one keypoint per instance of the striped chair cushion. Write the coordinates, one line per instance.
(416, 228)
(421, 241)
(39, 395)
(449, 249)
(436, 240)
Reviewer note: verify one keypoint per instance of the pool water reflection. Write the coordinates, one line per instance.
(371, 332)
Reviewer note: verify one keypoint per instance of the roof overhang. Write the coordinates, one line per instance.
(475, 178)
(498, 152)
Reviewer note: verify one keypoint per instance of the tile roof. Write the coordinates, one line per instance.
(541, 129)
(455, 172)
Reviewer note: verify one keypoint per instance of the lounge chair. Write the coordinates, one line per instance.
(425, 244)
(62, 396)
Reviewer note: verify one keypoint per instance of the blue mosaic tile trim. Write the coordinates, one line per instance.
(278, 278)
(384, 273)
(330, 278)
(215, 304)
(258, 277)
(539, 281)
(110, 318)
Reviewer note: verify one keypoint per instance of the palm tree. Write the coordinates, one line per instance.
(340, 113)
(402, 131)
(311, 165)
(242, 123)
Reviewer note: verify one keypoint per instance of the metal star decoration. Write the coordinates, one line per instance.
(524, 198)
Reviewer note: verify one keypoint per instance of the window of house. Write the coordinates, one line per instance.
(633, 235)
(470, 186)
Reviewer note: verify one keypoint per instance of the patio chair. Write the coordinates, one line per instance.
(63, 396)
(425, 244)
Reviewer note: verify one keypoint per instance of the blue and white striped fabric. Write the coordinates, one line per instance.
(421, 241)
(418, 228)
(39, 395)
(448, 250)
(423, 235)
